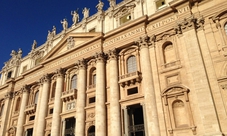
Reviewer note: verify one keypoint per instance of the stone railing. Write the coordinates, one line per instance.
(170, 64)
(130, 78)
(69, 131)
(91, 86)
(30, 109)
(136, 128)
(69, 95)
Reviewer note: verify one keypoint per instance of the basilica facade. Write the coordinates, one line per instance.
(139, 68)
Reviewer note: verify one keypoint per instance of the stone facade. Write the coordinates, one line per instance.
(140, 68)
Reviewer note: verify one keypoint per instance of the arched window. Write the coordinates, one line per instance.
(131, 64)
(74, 82)
(53, 90)
(169, 53)
(93, 76)
(18, 104)
(180, 115)
(36, 97)
(2, 109)
(226, 28)
(91, 131)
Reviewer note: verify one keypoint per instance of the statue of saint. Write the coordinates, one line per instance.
(100, 6)
(112, 3)
(48, 35)
(64, 24)
(86, 12)
(75, 16)
(34, 44)
(53, 31)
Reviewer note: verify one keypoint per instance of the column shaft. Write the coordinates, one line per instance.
(56, 120)
(115, 117)
(43, 108)
(148, 89)
(21, 118)
(126, 125)
(100, 108)
(80, 112)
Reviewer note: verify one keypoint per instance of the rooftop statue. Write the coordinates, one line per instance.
(100, 6)
(75, 16)
(112, 3)
(53, 31)
(64, 24)
(34, 44)
(86, 12)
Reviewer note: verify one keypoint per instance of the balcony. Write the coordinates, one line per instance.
(130, 78)
(69, 95)
(91, 86)
(30, 109)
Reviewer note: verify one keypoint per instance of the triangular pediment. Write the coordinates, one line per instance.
(70, 42)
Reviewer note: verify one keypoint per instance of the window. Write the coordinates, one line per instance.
(131, 64)
(24, 68)
(37, 61)
(125, 19)
(92, 30)
(9, 75)
(160, 4)
(74, 82)
(93, 76)
(94, 79)
(91, 131)
(91, 100)
(169, 53)
(226, 28)
(132, 91)
(31, 118)
(18, 104)
(53, 90)
(51, 111)
(36, 97)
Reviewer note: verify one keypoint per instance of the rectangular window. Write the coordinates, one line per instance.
(31, 118)
(91, 100)
(51, 111)
(24, 68)
(132, 91)
(125, 19)
(9, 75)
(160, 4)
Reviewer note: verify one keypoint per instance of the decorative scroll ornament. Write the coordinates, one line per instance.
(100, 57)
(143, 41)
(82, 63)
(60, 72)
(112, 54)
(70, 42)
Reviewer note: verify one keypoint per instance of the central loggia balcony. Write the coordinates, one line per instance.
(69, 95)
(30, 109)
(130, 78)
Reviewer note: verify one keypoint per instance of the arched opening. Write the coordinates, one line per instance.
(74, 82)
(131, 64)
(93, 76)
(36, 97)
(180, 116)
(91, 131)
(168, 53)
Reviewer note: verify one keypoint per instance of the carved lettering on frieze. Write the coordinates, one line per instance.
(123, 36)
(162, 23)
(183, 10)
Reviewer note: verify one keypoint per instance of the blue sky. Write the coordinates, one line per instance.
(22, 21)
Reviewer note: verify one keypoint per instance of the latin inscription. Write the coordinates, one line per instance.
(162, 23)
(183, 10)
(122, 37)
(73, 56)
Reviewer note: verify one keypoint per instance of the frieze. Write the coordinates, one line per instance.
(123, 36)
(162, 23)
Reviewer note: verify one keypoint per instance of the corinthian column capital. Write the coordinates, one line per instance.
(45, 78)
(82, 64)
(60, 72)
(112, 54)
(100, 57)
(25, 89)
(143, 42)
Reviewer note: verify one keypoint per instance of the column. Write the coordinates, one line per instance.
(5, 113)
(63, 128)
(56, 119)
(148, 88)
(41, 122)
(126, 120)
(81, 99)
(21, 118)
(100, 107)
(38, 106)
(115, 117)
